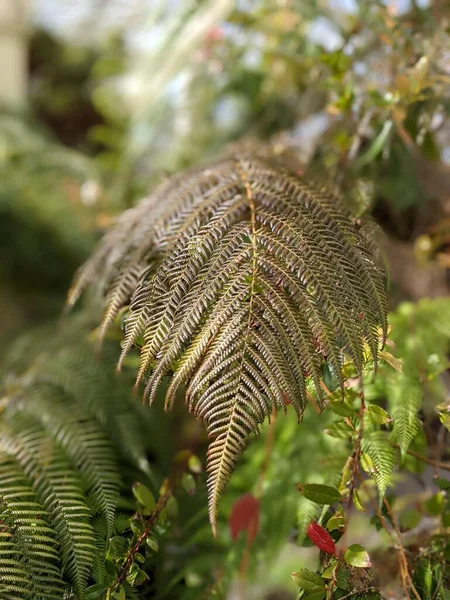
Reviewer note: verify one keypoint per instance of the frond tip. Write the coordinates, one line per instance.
(241, 280)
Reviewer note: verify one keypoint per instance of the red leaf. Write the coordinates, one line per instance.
(321, 538)
(244, 517)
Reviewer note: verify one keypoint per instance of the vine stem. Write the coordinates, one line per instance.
(149, 524)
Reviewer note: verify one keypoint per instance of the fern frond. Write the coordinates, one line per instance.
(58, 451)
(241, 280)
(59, 490)
(29, 559)
(376, 444)
(421, 337)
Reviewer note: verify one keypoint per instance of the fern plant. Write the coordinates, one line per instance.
(61, 440)
(241, 280)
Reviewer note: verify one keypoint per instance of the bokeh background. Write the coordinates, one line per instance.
(102, 98)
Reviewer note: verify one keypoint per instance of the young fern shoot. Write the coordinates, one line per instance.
(241, 280)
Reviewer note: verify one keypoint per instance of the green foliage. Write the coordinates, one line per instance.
(232, 286)
(60, 447)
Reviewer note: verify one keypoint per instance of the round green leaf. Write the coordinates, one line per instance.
(357, 556)
(144, 496)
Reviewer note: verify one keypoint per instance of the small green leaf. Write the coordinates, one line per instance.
(435, 504)
(336, 522)
(314, 595)
(308, 581)
(357, 502)
(172, 507)
(442, 483)
(357, 556)
(195, 464)
(152, 543)
(119, 594)
(329, 571)
(395, 363)
(95, 591)
(321, 494)
(410, 518)
(145, 498)
(378, 415)
(118, 547)
(188, 483)
(367, 463)
(340, 430)
(136, 576)
(342, 409)
(445, 420)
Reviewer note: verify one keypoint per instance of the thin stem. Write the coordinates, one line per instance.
(430, 461)
(149, 523)
(401, 549)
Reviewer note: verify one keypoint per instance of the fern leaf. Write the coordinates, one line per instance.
(376, 444)
(241, 280)
(58, 461)
(405, 399)
(60, 491)
(29, 559)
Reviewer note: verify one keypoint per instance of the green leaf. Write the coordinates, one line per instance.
(95, 591)
(357, 502)
(442, 483)
(376, 146)
(119, 594)
(172, 507)
(435, 504)
(188, 483)
(308, 581)
(340, 430)
(329, 571)
(445, 420)
(145, 498)
(194, 464)
(395, 363)
(367, 463)
(314, 595)
(378, 415)
(336, 522)
(357, 556)
(118, 547)
(342, 408)
(321, 494)
(152, 543)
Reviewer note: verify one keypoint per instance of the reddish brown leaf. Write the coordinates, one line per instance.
(244, 517)
(321, 538)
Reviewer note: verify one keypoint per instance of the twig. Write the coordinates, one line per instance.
(358, 592)
(149, 523)
(357, 452)
(430, 461)
(401, 549)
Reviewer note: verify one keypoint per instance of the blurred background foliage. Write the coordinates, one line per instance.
(121, 94)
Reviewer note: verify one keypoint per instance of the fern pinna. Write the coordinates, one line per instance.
(61, 440)
(240, 280)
